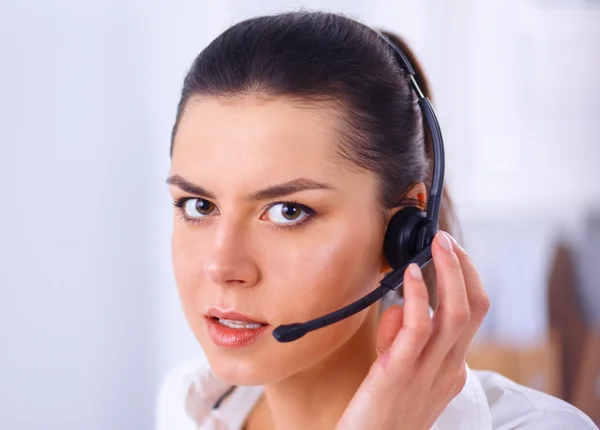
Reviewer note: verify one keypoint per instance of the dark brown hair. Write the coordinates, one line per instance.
(314, 57)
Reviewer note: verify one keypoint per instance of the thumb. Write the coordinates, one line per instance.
(389, 325)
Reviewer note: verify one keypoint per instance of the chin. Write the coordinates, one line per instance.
(258, 364)
(239, 370)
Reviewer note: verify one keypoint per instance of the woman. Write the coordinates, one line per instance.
(297, 139)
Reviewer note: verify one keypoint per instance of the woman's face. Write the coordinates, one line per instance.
(278, 229)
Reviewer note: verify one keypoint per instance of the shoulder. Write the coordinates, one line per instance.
(514, 406)
(186, 396)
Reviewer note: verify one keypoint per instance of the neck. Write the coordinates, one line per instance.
(317, 397)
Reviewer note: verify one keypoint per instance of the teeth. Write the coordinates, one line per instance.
(238, 324)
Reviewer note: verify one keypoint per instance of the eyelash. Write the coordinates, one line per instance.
(179, 203)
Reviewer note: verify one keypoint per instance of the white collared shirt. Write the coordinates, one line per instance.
(488, 401)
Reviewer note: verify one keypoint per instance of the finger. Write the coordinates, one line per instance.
(479, 303)
(453, 312)
(389, 325)
(416, 327)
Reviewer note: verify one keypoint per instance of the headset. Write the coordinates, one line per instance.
(410, 232)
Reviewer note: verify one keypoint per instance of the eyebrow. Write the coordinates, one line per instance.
(272, 192)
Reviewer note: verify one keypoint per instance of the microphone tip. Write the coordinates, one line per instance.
(289, 332)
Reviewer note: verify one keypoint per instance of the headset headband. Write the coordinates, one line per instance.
(437, 181)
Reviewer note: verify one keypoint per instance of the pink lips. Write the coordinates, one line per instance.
(228, 337)
(231, 315)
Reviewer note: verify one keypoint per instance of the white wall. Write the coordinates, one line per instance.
(78, 186)
(89, 316)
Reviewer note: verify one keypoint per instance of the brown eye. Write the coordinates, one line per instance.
(198, 208)
(288, 213)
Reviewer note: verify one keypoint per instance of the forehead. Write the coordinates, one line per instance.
(257, 141)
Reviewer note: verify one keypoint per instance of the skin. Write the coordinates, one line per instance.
(242, 255)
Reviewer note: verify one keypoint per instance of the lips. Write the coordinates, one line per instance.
(232, 316)
(230, 329)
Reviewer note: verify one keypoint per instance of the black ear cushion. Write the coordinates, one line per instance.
(400, 243)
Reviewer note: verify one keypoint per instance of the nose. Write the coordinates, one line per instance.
(230, 261)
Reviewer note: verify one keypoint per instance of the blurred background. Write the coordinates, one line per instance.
(89, 316)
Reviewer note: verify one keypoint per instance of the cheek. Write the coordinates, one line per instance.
(324, 269)
(187, 257)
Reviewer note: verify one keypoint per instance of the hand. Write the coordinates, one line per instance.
(421, 360)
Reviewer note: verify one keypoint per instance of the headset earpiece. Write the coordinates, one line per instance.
(402, 236)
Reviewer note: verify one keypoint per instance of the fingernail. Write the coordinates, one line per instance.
(415, 271)
(454, 242)
(445, 240)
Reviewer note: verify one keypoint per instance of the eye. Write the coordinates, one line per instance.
(198, 208)
(288, 213)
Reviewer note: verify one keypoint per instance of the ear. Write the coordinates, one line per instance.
(416, 195)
